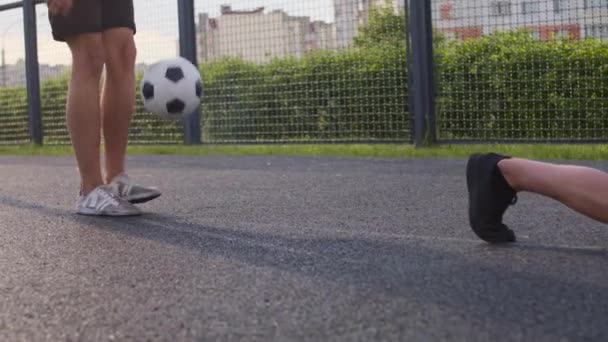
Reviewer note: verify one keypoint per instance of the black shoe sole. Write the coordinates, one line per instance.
(144, 200)
(494, 234)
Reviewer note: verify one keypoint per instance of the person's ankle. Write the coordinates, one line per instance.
(505, 167)
(110, 175)
(87, 188)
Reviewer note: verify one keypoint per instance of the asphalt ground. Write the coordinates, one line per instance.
(270, 248)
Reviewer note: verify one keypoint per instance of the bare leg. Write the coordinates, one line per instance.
(83, 115)
(118, 100)
(581, 188)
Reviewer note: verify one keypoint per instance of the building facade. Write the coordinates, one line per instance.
(575, 19)
(257, 36)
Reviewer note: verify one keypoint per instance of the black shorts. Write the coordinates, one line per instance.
(92, 16)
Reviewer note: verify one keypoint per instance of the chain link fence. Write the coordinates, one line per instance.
(279, 71)
(13, 102)
(521, 70)
(156, 39)
(54, 69)
(286, 71)
(302, 71)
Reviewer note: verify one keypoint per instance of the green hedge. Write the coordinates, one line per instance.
(343, 96)
(511, 86)
(503, 86)
(329, 95)
(145, 129)
(13, 116)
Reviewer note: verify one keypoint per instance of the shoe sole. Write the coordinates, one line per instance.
(471, 175)
(494, 237)
(141, 199)
(96, 213)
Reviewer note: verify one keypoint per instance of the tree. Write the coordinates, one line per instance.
(385, 27)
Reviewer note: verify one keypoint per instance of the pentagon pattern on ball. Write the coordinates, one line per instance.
(174, 74)
(176, 106)
(148, 90)
(199, 89)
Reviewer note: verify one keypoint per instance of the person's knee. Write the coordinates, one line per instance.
(88, 56)
(120, 55)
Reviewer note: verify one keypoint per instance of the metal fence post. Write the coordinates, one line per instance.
(422, 72)
(410, 67)
(187, 47)
(32, 71)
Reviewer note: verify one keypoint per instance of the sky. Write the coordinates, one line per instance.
(157, 26)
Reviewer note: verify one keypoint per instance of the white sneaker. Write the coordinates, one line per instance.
(103, 202)
(121, 185)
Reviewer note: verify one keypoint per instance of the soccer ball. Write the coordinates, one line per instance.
(172, 88)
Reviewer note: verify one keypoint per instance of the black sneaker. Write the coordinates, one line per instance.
(489, 197)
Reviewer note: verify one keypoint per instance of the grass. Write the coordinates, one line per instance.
(535, 151)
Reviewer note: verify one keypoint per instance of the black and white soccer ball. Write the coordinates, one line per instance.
(172, 88)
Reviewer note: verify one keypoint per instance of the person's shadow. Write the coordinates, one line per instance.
(423, 273)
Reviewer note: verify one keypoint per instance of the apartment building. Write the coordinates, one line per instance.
(576, 19)
(259, 36)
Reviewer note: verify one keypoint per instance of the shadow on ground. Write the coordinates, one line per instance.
(421, 271)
